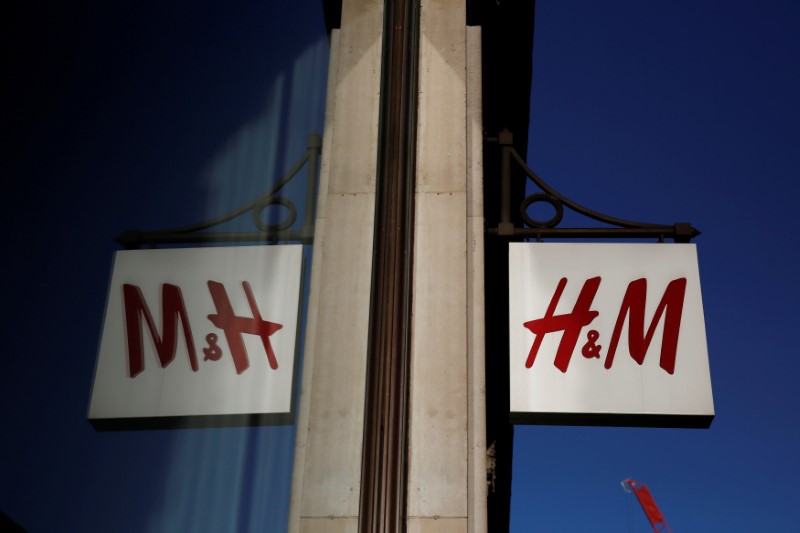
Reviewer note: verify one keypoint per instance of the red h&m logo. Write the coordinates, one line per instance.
(173, 310)
(632, 308)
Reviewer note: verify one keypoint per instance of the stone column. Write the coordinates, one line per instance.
(446, 487)
(327, 469)
(447, 451)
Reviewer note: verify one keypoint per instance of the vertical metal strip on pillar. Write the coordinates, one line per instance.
(384, 471)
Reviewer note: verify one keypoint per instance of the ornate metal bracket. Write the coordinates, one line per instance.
(267, 232)
(538, 229)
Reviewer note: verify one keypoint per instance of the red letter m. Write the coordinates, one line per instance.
(638, 342)
(172, 308)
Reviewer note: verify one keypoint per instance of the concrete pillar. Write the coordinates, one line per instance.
(446, 489)
(327, 470)
(476, 342)
(447, 461)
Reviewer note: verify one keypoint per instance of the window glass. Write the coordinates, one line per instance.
(143, 116)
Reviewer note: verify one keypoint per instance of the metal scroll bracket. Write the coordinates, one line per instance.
(266, 232)
(619, 228)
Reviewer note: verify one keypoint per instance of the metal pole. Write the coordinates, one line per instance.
(384, 472)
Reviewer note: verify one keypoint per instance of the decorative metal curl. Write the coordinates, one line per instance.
(267, 232)
(546, 198)
(258, 212)
(679, 232)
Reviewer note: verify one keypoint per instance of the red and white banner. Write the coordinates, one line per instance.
(199, 332)
(607, 334)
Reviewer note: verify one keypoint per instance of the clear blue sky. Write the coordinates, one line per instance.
(670, 112)
(127, 115)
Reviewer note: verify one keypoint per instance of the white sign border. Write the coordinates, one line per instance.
(694, 418)
(191, 421)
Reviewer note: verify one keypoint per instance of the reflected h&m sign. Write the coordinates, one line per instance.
(204, 333)
(607, 334)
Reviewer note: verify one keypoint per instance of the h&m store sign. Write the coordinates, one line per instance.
(199, 332)
(608, 334)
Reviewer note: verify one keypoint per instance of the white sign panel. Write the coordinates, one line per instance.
(608, 334)
(199, 332)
